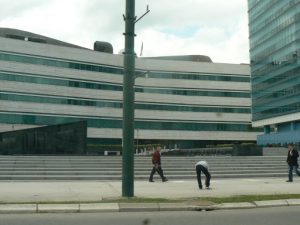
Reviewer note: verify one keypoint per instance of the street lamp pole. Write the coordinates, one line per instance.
(128, 102)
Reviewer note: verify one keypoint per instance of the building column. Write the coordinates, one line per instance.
(293, 126)
(267, 129)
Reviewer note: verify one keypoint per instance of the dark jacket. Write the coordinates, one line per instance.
(292, 157)
(156, 157)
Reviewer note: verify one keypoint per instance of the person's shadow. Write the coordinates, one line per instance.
(146, 222)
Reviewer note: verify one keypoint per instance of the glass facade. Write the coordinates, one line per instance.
(274, 27)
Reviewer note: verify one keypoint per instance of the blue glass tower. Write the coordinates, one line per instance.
(274, 27)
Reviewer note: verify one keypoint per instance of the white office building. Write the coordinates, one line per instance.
(185, 101)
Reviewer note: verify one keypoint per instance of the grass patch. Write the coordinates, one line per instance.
(205, 201)
(250, 198)
(141, 200)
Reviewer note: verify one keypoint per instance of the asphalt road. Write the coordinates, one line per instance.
(262, 216)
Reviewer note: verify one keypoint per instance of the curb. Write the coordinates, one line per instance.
(99, 207)
(137, 207)
(258, 204)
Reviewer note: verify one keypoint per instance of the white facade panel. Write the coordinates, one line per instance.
(184, 66)
(277, 120)
(193, 84)
(118, 95)
(193, 100)
(89, 112)
(57, 72)
(174, 135)
(118, 79)
(59, 91)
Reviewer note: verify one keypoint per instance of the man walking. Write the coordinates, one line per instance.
(292, 160)
(157, 166)
(202, 166)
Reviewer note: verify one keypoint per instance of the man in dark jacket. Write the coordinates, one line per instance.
(292, 160)
(157, 166)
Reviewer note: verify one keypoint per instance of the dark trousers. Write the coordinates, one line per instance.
(291, 169)
(199, 169)
(157, 168)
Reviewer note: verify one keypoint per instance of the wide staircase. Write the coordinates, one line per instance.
(110, 167)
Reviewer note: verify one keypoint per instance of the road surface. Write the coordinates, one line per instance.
(262, 216)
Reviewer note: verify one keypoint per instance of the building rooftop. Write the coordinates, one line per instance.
(28, 36)
(98, 46)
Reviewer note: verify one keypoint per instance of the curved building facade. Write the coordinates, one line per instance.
(177, 103)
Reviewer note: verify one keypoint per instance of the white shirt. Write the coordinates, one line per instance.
(202, 163)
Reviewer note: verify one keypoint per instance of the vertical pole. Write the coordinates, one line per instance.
(137, 139)
(128, 103)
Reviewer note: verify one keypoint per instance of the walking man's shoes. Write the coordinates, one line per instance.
(164, 179)
(151, 180)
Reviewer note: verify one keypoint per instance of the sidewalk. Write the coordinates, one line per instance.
(16, 194)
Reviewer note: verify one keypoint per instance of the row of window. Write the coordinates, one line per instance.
(271, 74)
(117, 104)
(274, 25)
(283, 65)
(284, 55)
(270, 14)
(193, 76)
(258, 7)
(292, 90)
(109, 123)
(194, 92)
(116, 87)
(275, 82)
(276, 111)
(267, 47)
(283, 88)
(263, 104)
(5, 56)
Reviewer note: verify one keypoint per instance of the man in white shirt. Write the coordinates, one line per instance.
(202, 166)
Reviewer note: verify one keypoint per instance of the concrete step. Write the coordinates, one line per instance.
(105, 169)
(110, 168)
(119, 177)
(145, 172)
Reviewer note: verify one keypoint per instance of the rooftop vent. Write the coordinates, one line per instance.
(101, 46)
(39, 40)
(13, 36)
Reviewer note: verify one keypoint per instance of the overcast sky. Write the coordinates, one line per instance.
(216, 28)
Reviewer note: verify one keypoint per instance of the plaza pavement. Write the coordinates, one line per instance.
(86, 196)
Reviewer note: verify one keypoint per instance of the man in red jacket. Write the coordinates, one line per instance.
(157, 166)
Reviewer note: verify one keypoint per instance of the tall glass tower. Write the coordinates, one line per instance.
(274, 27)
